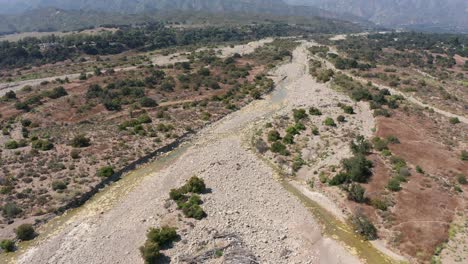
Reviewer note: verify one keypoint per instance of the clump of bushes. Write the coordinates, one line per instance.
(329, 122)
(187, 198)
(25, 232)
(11, 210)
(105, 172)
(280, 148)
(43, 145)
(363, 226)
(315, 111)
(157, 239)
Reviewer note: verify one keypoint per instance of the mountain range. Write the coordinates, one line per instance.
(442, 15)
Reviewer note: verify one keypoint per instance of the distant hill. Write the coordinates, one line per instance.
(434, 15)
(59, 15)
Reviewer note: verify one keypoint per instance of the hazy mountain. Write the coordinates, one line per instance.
(430, 14)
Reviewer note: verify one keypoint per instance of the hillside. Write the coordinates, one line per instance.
(448, 15)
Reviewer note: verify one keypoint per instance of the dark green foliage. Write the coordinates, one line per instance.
(280, 148)
(11, 210)
(80, 141)
(340, 119)
(394, 185)
(25, 232)
(56, 93)
(464, 155)
(363, 226)
(379, 204)
(148, 102)
(315, 111)
(105, 172)
(299, 114)
(358, 168)
(58, 185)
(190, 206)
(292, 130)
(379, 144)
(348, 109)
(150, 252)
(11, 144)
(360, 146)
(454, 120)
(26, 122)
(273, 136)
(393, 140)
(288, 139)
(462, 179)
(356, 193)
(10, 95)
(7, 245)
(340, 178)
(163, 236)
(297, 163)
(43, 145)
(329, 122)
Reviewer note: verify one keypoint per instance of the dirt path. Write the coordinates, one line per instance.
(246, 203)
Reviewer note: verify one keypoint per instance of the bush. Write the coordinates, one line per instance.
(379, 204)
(462, 179)
(194, 185)
(464, 155)
(454, 120)
(340, 119)
(394, 185)
(11, 144)
(314, 111)
(58, 185)
(297, 163)
(280, 148)
(356, 193)
(25, 232)
(75, 154)
(163, 236)
(348, 109)
(358, 168)
(148, 102)
(379, 144)
(363, 226)
(7, 245)
(150, 252)
(299, 114)
(43, 145)
(56, 93)
(274, 136)
(80, 141)
(393, 140)
(288, 139)
(105, 172)
(340, 178)
(11, 210)
(329, 122)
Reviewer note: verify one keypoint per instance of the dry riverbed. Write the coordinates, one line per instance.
(251, 217)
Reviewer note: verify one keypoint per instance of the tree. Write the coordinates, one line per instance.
(25, 232)
(363, 226)
(358, 168)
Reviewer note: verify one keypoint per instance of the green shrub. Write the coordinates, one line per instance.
(11, 144)
(315, 111)
(462, 179)
(297, 163)
(315, 131)
(348, 109)
(340, 119)
(300, 126)
(464, 155)
(393, 140)
(329, 122)
(7, 245)
(80, 141)
(150, 252)
(75, 154)
(454, 120)
(280, 148)
(356, 193)
(288, 139)
(419, 169)
(148, 102)
(363, 226)
(58, 185)
(56, 93)
(274, 136)
(292, 130)
(358, 168)
(43, 145)
(163, 236)
(105, 172)
(379, 204)
(394, 185)
(299, 114)
(194, 185)
(379, 144)
(11, 210)
(25, 232)
(340, 178)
